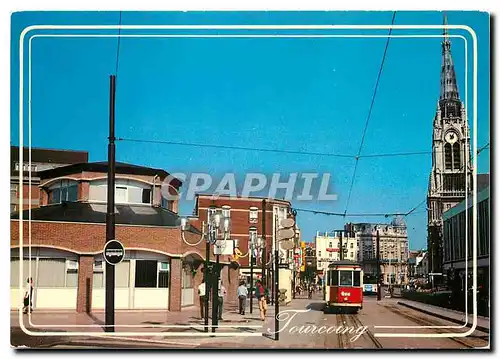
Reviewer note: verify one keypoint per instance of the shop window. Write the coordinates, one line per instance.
(98, 277)
(187, 278)
(71, 273)
(51, 272)
(146, 196)
(146, 274)
(121, 195)
(163, 270)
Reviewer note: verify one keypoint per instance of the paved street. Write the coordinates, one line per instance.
(300, 327)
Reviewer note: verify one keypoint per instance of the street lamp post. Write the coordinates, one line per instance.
(212, 235)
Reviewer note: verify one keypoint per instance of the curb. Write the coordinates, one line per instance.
(440, 316)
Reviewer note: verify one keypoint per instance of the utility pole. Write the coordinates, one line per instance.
(215, 296)
(341, 247)
(251, 250)
(206, 277)
(276, 286)
(264, 243)
(379, 287)
(110, 215)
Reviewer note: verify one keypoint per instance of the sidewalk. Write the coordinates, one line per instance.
(160, 329)
(483, 323)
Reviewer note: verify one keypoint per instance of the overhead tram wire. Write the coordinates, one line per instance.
(369, 114)
(275, 150)
(441, 187)
(227, 147)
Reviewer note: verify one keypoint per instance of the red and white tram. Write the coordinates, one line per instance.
(344, 286)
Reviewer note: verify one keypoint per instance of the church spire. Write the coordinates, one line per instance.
(449, 89)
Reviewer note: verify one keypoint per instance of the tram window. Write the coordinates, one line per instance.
(345, 277)
(333, 277)
(357, 278)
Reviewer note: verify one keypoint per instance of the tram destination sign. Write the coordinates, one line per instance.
(114, 252)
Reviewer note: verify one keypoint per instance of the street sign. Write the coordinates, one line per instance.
(287, 245)
(222, 247)
(287, 223)
(286, 233)
(114, 252)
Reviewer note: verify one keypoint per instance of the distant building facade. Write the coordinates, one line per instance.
(41, 159)
(328, 248)
(394, 251)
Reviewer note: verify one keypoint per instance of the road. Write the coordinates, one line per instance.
(303, 324)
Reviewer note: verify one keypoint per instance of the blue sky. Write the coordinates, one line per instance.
(307, 94)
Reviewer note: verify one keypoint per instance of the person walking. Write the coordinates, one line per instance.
(222, 294)
(260, 294)
(242, 297)
(201, 295)
(28, 296)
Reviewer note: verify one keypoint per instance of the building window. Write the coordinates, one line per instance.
(352, 254)
(330, 245)
(146, 274)
(319, 254)
(98, 277)
(63, 191)
(330, 254)
(121, 194)
(352, 245)
(166, 203)
(187, 278)
(146, 195)
(71, 273)
(13, 191)
(163, 269)
(253, 215)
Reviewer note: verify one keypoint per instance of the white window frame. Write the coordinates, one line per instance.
(253, 215)
(160, 269)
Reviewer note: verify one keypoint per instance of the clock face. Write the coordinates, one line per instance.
(451, 137)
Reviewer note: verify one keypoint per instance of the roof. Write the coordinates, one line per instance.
(120, 168)
(482, 195)
(85, 212)
(45, 155)
(343, 262)
(239, 197)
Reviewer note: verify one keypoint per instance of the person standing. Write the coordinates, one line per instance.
(201, 294)
(242, 297)
(222, 294)
(28, 296)
(260, 294)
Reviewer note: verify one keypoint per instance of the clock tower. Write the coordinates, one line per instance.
(451, 175)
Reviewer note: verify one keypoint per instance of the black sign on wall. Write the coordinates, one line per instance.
(113, 252)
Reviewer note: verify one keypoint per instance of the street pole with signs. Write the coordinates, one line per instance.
(379, 287)
(109, 307)
(286, 233)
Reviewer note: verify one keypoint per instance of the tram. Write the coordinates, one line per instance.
(343, 286)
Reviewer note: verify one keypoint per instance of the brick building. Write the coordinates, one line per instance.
(41, 159)
(250, 217)
(64, 240)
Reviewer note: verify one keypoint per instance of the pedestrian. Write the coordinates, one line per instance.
(201, 293)
(222, 294)
(260, 294)
(28, 296)
(242, 297)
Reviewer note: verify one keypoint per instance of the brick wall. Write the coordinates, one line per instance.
(85, 276)
(175, 290)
